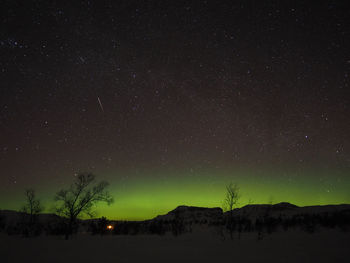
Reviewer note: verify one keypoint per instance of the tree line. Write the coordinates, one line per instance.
(85, 193)
(79, 199)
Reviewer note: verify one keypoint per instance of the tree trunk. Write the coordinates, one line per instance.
(69, 228)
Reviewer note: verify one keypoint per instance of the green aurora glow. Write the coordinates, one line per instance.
(144, 197)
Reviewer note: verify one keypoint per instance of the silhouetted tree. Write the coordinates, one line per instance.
(30, 209)
(231, 200)
(80, 199)
(32, 206)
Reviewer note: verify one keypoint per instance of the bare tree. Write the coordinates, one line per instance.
(230, 201)
(30, 209)
(80, 199)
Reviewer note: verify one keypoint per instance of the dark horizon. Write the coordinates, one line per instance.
(138, 219)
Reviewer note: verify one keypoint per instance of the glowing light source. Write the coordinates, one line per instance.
(109, 227)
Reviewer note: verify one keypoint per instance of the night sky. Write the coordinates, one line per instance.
(171, 100)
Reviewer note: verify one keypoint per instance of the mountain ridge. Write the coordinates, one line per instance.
(215, 213)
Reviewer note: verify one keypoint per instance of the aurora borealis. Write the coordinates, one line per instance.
(158, 192)
(171, 100)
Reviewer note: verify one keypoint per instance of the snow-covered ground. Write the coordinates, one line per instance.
(203, 246)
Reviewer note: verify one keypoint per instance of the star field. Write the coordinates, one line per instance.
(170, 100)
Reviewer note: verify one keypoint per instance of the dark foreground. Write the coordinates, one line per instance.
(203, 246)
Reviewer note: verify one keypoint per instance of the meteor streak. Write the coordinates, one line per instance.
(99, 102)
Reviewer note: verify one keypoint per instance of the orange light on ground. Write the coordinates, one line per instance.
(109, 227)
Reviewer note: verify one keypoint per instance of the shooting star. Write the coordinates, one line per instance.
(101, 106)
